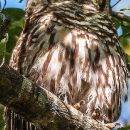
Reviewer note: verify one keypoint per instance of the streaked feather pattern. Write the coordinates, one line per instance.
(72, 50)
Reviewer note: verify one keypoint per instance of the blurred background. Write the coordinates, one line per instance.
(125, 41)
(15, 10)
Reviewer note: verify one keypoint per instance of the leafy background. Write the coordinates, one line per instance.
(16, 25)
(14, 30)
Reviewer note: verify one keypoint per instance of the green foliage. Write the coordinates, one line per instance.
(128, 61)
(125, 26)
(125, 40)
(124, 9)
(15, 27)
(125, 128)
(0, 21)
(2, 123)
(125, 37)
(14, 13)
(14, 30)
(116, 22)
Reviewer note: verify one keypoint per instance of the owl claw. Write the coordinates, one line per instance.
(96, 114)
(112, 125)
(78, 105)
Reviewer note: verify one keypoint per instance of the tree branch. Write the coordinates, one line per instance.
(40, 106)
(120, 16)
(3, 28)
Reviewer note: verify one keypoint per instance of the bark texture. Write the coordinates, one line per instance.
(40, 106)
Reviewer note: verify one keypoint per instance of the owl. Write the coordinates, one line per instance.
(71, 49)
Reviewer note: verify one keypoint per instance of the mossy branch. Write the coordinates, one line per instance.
(40, 106)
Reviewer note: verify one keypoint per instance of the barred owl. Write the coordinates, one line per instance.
(72, 50)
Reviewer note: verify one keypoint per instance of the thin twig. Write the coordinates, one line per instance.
(4, 53)
(20, 1)
(124, 35)
(121, 22)
(115, 4)
(4, 48)
(4, 5)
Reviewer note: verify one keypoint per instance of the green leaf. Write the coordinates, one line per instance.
(14, 33)
(124, 9)
(125, 30)
(124, 42)
(15, 28)
(14, 13)
(127, 35)
(125, 128)
(126, 24)
(116, 22)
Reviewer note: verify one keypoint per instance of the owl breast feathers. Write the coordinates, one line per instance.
(73, 51)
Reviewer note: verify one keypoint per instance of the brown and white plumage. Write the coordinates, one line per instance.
(72, 50)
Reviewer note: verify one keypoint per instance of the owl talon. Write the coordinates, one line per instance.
(96, 114)
(113, 125)
(78, 105)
